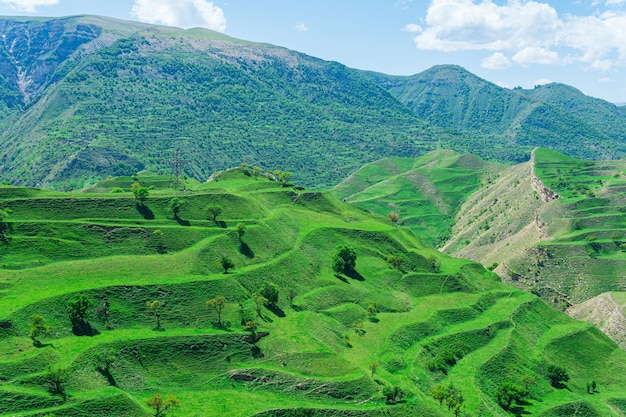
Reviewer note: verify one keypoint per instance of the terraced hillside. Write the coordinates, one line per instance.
(425, 193)
(369, 341)
(556, 224)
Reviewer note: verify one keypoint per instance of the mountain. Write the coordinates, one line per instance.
(375, 340)
(86, 97)
(555, 116)
(90, 97)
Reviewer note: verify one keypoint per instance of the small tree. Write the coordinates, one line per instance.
(256, 171)
(345, 339)
(158, 241)
(454, 400)
(284, 176)
(292, 295)
(241, 230)
(55, 379)
(259, 301)
(38, 328)
(269, 290)
(155, 307)
(557, 375)
(344, 260)
(226, 263)
(160, 405)
(78, 310)
(104, 361)
(251, 326)
(373, 366)
(507, 392)
(4, 226)
(394, 218)
(395, 261)
(141, 195)
(393, 394)
(213, 210)
(439, 394)
(217, 304)
(372, 311)
(435, 263)
(175, 205)
(528, 380)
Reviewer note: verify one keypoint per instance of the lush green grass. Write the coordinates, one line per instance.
(424, 323)
(424, 193)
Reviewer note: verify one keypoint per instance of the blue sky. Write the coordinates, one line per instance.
(510, 42)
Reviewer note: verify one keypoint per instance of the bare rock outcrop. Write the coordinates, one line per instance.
(604, 312)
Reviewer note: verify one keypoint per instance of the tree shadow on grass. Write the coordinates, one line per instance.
(107, 374)
(181, 221)
(341, 278)
(40, 345)
(354, 275)
(245, 250)
(221, 223)
(276, 310)
(84, 329)
(519, 411)
(145, 211)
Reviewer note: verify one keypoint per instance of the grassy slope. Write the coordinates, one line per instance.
(425, 192)
(317, 353)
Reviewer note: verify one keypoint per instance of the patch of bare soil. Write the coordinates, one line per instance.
(606, 313)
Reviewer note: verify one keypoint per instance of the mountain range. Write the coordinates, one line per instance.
(85, 97)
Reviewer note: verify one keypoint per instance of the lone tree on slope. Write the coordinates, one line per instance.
(344, 260)
(160, 405)
(217, 304)
(213, 210)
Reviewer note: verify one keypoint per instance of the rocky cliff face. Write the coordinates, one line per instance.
(32, 51)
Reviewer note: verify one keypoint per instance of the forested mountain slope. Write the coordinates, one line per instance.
(106, 97)
(555, 116)
(85, 97)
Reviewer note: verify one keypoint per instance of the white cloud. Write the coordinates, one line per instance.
(535, 55)
(29, 6)
(455, 25)
(412, 28)
(605, 80)
(301, 27)
(542, 81)
(532, 32)
(180, 13)
(496, 61)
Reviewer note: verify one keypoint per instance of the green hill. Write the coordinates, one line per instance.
(424, 193)
(109, 98)
(553, 116)
(87, 97)
(569, 249)
(332, 344)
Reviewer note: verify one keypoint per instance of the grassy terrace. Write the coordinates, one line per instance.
(433, 321)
